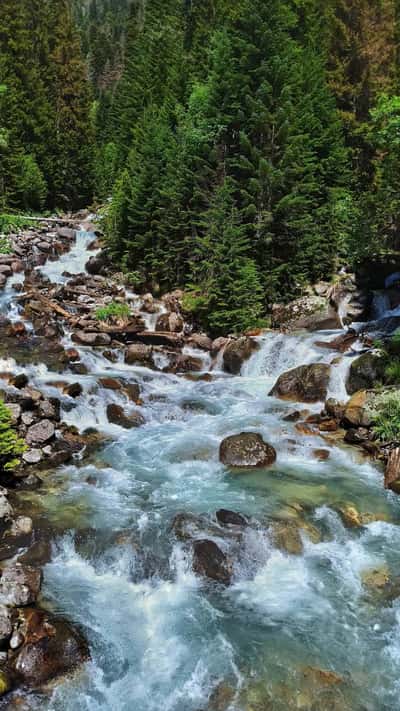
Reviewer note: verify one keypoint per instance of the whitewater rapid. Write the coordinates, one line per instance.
(161, 637)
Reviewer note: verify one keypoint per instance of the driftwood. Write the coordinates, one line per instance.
(392, 472)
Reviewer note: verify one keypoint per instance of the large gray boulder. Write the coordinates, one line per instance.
(236, 353)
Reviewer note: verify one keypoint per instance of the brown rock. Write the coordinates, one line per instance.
(50, 647)
(236, 353)
(200, 340)
(132, 390)
(91, 339)
(328, 426)
(321, 454)
(138, 353)
(72, 355)
(246, 450)
(117, 416)
(110, 383)
(355, 413)
(73, 390)
(306, 383)
(210, 562)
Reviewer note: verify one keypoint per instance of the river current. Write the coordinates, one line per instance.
(161, 638)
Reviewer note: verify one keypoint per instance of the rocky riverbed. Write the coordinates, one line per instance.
(188, 513)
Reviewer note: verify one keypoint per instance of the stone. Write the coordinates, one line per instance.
(138, 353)
(40, 433)
(5, 507)
(356, 435)
(200, 340)
(377, 578)
(310, 312)
(87, 338)
(132, 390)
(28, 418)
(72, 355)
(306, 383)
(188, 527)
(170, 322)
(32, 456)
(246, 450)
(328, 426)
(350, 516)
(20, 585)
(230, 518)
(236, 353)
(97, 263)
(5, 623)
(19, 381)
(286, 536)
(15, 411)
(5, 683)
(110, 383)
(321, 454)
(50, 409)
(365, 372)
(51, 647)
(21, 526)
(218, 344)
(334, 409)
(116, 415)
(210, 562)
(355, 412)
(73, 390)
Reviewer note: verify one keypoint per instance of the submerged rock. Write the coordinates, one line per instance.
(210, 562)
(49, 647)
(246, 450)
(306, 383)
(116, 415)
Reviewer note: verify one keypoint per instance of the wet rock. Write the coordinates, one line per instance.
(188, 527)
(3, 281)
(38, 554)
(342, 343)
(365, 372)
(377, 578)
(218, 344)
(72, 355)
(210, 562)
(20, 585)
(286, 536)
(117, 415)
(40, 433)
(230, 518)
(138, 353)
(350, 516)
(112, 356)
(32, 456)
(29, 398)
(334, 409)
(6, 270)
(292, 416)
(246, 450)
(357, 435)
(73, 390)
(51, 647)
(392, 471)
(200, 340)
(185, 364)
(19, 381)
(170, 322)
(236, 353)
(132, 390)
(91, 338)
(110, 383)
(17, 329)
(328, 426)
(321, 454)
(306, 383)
(97, 264)
(5, 683)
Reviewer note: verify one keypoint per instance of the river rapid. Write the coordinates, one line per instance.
(162, 637)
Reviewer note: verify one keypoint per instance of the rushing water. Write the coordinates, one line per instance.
(162, 638)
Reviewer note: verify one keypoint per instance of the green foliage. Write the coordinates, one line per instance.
(31, 185)
(386, 416)
(12, 223)
(113, 312)
(11, 446)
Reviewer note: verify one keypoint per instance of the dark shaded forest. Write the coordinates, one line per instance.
(249, 148)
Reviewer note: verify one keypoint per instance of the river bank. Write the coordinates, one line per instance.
(196, 586)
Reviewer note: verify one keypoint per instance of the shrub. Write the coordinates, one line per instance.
(113, 312)
(385, 412)
(11, 446)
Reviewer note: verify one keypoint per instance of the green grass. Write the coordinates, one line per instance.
(113, 312)
(385, 412)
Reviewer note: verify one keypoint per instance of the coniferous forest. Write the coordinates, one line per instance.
(243, 149)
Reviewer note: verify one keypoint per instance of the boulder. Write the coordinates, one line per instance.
(356, 413)
(116, 415)
(110, 383)
(20, 585)
(210, 562)
(218, 344)
(19, 381)
(97, 264)
(311, 312)
(246, 450)
(189, 527)
(170, 322)
(50, 409)
(365, 371)
(236, 353)
(40, 433)
(32, 456)
(15, 411)
(73, 390)
(201, 341)
(306, 383)
(138, 353)
(91, 339)
(286, 536)
(49, 647)
(132, 391)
